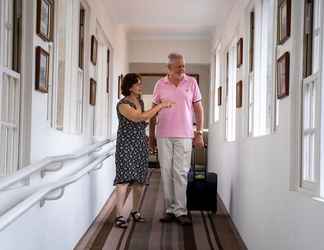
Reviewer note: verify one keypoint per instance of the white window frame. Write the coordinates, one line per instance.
(321, 151)
(311, 175)
(217, 81)
(212, 93)
(102, 123)
(230, 100)
(72, 78)
(10, 94)
(250, 87)
(262, 101)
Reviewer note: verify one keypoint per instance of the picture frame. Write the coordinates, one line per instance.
(239, 94)
(219, 93)
(120, 80)
(239, 49)
(41, 70)
(283, 68)
(93, 92)
(45, 19)
(94, 49)
(284, 21)
(108, 70)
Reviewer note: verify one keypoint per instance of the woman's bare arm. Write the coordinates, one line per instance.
(139, 116)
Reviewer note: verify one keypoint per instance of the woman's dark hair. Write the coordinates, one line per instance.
(128, 81)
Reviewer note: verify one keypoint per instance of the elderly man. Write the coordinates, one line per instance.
(174, 133)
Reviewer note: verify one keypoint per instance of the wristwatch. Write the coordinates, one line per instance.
(199, 132)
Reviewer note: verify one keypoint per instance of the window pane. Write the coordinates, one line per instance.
(308, 37)
(216, 84)
(81, 37)
(231, 103)
(9, 122)
(306, 107)
(250, 107)
(306, 157)
(7, 11)
(251, 49)
(312, 111)
(311, 157)
(263, 90)
(61, 47)
(316, 37)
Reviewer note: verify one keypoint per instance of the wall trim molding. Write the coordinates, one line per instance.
(232, 225)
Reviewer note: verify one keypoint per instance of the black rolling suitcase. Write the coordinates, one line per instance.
(202, 187)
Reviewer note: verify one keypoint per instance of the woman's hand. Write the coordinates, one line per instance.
(199, 141)
(166, 104)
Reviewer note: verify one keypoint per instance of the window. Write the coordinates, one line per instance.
(261, 105)
(68, 87)
(230, 117)
(59, 69)
(308, 37)
(81, 37)
(311, 107)
(10, 45)
(251, 73)
(217, 80)
(80, 79)
(251, 43)
(101, 109)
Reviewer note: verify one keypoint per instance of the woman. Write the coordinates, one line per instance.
(131, 147)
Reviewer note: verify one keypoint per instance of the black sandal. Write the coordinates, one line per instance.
(121, 222)
(137, 216)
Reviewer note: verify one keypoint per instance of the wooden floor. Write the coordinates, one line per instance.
(209, 231)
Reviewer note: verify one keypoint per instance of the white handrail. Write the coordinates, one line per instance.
(42, 166)
(48, 192)
(10, 72)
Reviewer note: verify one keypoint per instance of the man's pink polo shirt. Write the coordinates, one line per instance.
(176, 122)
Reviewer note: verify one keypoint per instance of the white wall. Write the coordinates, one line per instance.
(254, 173)
(60, 224)
(58, 142)
(157, 50)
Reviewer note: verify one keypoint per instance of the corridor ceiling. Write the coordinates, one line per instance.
(171, 18)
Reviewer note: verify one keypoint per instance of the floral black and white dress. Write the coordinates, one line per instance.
(131, 149)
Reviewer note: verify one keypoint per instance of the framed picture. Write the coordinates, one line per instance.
(284, 20)
(219, 92)
(94, 48)
(93, 88)
(239, 49)
(108, 71)
(283, 76)
(239, 94)
(42, 70)
(45, 19)
(120, 80)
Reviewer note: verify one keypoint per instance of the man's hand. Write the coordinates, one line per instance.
(152, 144)
(199, 141)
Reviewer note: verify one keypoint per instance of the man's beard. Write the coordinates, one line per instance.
(179, 76)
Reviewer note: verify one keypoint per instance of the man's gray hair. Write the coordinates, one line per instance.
(173, 57)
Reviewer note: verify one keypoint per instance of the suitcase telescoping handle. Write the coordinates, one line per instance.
(193, 162)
